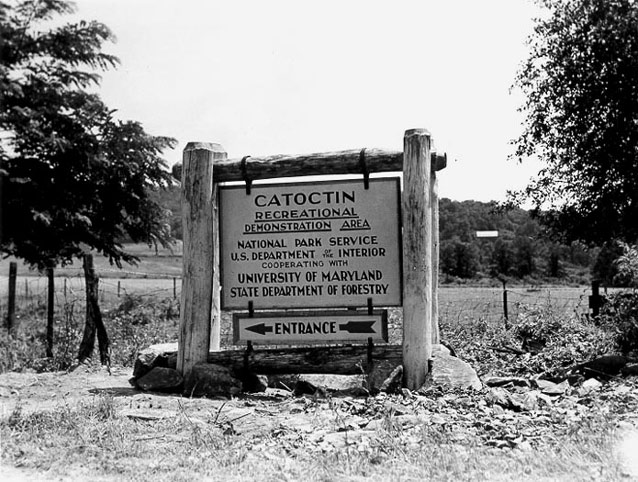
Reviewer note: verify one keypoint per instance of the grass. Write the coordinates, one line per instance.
(98, 439)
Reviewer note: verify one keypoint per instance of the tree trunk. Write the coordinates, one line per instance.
(50, 311)
(94, 320)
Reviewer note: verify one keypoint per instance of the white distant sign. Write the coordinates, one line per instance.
(487, 234)
(310, 327)
(311, 245)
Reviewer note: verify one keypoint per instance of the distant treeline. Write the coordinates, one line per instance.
(520, 251)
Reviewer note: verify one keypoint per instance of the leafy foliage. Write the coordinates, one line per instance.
(627, 265)
(605, 268)
(581, 88)
(75, 177)
(459, 259)
(521, 250)
(551, 342)
(139, 322)
(134, 324)
(620, 314)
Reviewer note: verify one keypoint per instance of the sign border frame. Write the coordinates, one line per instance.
(399, 239)
(244, 315)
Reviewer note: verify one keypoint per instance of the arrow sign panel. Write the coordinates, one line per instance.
(310, 327)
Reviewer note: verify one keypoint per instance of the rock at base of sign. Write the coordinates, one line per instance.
(393, 382)
(161, 355)
(251, 382)
(385, 376)
(210, 380)
(161, 379)
(321, 385)
(451, 371)
(506, 381)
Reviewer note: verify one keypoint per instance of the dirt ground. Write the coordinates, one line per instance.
(275, 417)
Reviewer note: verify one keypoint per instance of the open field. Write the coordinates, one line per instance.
(160, 263)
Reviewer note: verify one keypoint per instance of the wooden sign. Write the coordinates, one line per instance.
(487, 234)
(311, 245)
(310, 327)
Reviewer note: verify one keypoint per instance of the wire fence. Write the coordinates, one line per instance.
(31, 291)
(463, 304)
(456, 304)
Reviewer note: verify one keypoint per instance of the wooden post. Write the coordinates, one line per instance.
(505, 313)
(595, 298)
(11, 308)
(200, 304)
(417, 258)
(50, 310)
(434, 199)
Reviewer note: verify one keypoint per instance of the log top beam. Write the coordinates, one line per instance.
(317, 164)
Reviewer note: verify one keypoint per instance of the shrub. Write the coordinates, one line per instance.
(557, 341)
(139, 322)
(620, 315)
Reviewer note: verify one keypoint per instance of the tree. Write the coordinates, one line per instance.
(605, 268)
(581, 119)
(76, 179)
(502, 260)
(555, 268)
(524, 254)
(460, 259)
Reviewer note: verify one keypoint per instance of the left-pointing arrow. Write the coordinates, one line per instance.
(260, 329)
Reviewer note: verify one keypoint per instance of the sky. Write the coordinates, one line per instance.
(295, 77)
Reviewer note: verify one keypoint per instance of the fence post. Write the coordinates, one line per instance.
(505, 313)
(200, 304)
(434, 199)
(174, 288)
(50, 309)
(417, 257)
(11, 307)
(595, 299)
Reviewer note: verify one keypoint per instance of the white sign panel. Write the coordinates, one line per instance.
(310, 327)
(311, 245)
(487, 234)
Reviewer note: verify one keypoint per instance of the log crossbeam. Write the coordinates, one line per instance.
(317, 164)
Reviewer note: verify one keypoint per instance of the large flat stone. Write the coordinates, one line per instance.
(451, 371)
(160, 355)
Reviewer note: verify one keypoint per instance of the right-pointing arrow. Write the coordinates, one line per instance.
(357, 326)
